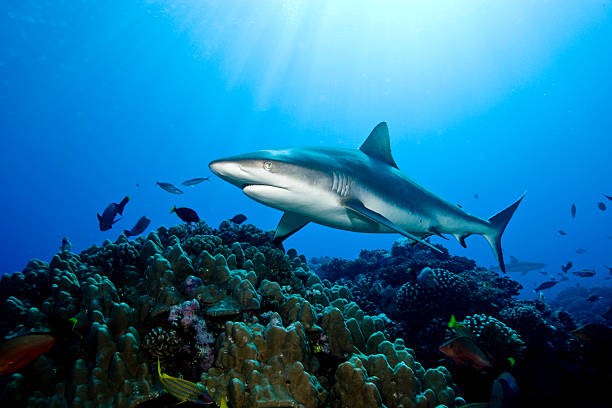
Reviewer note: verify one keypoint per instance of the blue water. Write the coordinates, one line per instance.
(103, 99)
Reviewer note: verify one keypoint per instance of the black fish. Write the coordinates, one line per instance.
(585, 273)
(546, 285)
(476, 196)
(601, 206)
(107, 219)
(580, 251)
(185, 214)
(565, 268)
(607, 196)
(194, 181)
(171, 188)
(573, 210)
(238, 219)
(140, 226)
(561, 232)
(593, 298)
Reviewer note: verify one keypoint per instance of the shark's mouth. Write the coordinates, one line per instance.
(247, 186)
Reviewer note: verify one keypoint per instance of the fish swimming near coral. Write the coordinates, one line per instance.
(107, 219)
(464, 351)
(171, 188)
(183, 390)
(18, 352)
(359, 190)
(593, 298)
(546, 285)
(521, 266)
(238, 219)
(66, 245)
(194, 181)
(186, 214)
(139, 227)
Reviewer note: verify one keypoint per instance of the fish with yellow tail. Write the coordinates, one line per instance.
(183, 390)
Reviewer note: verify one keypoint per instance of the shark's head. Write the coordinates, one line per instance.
(272, 177)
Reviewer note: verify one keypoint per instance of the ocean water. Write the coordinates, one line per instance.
(484, 101)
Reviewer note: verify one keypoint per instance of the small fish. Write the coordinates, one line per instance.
(186, 214)
(546, 285)
(137, 229)
(593, 298)
(171, 188)
(601, 206)
(183, 390)
(594, 333)
(607, 196)
(561, 232)
(20, 351)
(511, 361)
(107, 219)
(581, 251)
(565, 268)
(464, 351)
(573, 210)
(194, 181)
(585, 273)
(66, 245)
(238, 219)
(608, 314)
(564, 278)
(476, 195)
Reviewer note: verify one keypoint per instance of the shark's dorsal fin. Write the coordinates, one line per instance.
(289, 224)
(377, 145)
(358, 207)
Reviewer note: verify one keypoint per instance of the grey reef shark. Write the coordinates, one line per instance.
(359, 190)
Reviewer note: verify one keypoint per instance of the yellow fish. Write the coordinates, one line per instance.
(183, 390)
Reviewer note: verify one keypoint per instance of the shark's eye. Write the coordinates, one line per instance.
(267, 165)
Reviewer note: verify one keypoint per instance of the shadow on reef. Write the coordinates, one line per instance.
(417, 291)
(223, 308)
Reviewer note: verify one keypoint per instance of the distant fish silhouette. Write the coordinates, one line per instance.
(238, 219)
(171, 188)
(194, 181)
(565, 268)
(521, 266)
(476, 195)
(593, 298)
(546, 285)
(140, 226)
(186, 214)
(585, 273)
(607, 196)
(107, 219)
(561, 232)
(573, 210)
(601, 206)
(581, 251)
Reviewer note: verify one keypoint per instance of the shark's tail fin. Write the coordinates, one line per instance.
(498, 224)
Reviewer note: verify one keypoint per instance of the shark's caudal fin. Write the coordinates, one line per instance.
(498, 224)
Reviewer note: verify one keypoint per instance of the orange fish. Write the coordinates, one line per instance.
(464, 351)
(21, 351)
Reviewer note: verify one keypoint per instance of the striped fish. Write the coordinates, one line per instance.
(183, 390)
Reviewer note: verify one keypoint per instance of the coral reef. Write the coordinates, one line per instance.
(223, 307)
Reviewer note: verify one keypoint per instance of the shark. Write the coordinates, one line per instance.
(361, 190)
(523, 267)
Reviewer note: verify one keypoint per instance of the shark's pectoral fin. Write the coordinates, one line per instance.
(289, 224)
(362, 210)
